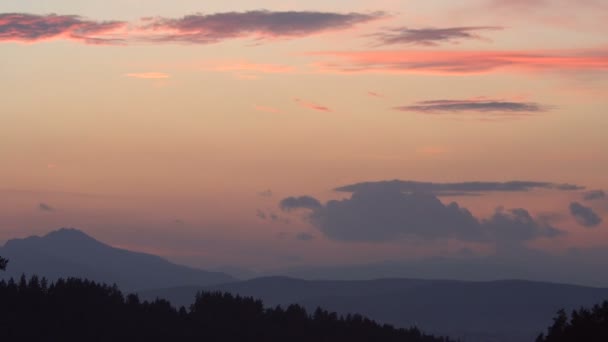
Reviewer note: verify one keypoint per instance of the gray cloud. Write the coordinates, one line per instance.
(508, 228)
(212, 28)
(432, 36)
(585, 216)
(270, 216)
(45, 207)
(302, 202)
(266, 193)
(260, 214)
(486, 106)
(594, 195)
(458, 189)
(23, 27)
(379, 214)
(304, 237)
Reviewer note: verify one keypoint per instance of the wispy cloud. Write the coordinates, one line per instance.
(432, 36)
(594, 195)
(267, 109)
(462, 187)
(312, 105)
(31, 28)
(447, 62)
(261, 24)
(45, 207)
(375, 94)
(255, 67)
(479, 105)
(149, 75)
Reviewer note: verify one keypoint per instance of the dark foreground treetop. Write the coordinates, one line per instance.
(582, 325)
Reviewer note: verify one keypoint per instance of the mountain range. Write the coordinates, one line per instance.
(474, 311)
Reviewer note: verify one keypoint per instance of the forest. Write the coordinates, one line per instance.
(81, 310)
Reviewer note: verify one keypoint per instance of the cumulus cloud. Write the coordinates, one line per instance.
(260, 24)
(458, 189)
(431, 36)
(594, 195)
(507, 227)
(45, 207)
(481, 105)
(380, 214)
(585, 216)
(30, 28)
(302, 202)
(385, 214)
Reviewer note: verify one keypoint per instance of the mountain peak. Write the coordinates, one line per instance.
(68, 233)
(67, 238)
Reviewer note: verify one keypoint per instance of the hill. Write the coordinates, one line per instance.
(510, 310)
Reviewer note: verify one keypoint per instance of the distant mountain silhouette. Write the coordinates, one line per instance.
(508, 311)
(72, 253)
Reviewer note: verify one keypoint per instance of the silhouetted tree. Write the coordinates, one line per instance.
(582, 325)
(3, 263)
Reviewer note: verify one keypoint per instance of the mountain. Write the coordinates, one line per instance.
(509, 311)
(72, 253)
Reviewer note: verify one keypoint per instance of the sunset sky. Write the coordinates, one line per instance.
(218, 133)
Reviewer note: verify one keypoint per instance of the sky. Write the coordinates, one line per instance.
(270, 135)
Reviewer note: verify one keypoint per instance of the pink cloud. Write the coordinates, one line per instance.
(149, 75)
(312, 105)
(31, 28)
(462, 62)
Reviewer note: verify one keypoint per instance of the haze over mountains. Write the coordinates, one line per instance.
(72, 253)
(506, 310)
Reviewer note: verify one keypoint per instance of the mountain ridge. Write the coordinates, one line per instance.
(70, 252)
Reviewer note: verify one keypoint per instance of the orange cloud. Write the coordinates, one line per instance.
(149, 75)
(462, 62)
(254, 68)
(374, 94)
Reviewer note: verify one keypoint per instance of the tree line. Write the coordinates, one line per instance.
(82, 310)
